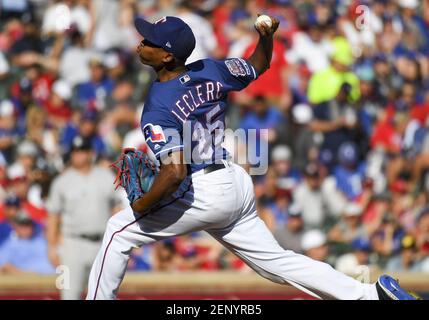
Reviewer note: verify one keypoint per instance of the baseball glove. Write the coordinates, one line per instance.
(135, 173)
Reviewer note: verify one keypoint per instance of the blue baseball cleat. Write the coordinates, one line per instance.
(389, 289)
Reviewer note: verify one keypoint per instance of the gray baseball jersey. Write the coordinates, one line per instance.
(85, 202)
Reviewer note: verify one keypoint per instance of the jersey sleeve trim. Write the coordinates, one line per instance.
(253, 69)
(161, 152)
(254, 72)
(246, 62)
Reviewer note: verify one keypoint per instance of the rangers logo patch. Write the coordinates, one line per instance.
(236, 67)
(153, 133)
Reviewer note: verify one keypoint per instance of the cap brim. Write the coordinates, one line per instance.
(146, 30)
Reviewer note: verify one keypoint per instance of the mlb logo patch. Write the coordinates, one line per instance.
(185, 79)
(153, 133)
(235, 67)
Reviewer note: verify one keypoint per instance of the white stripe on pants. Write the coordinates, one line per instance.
(221, 203)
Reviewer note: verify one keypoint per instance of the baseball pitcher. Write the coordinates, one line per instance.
(187, 183)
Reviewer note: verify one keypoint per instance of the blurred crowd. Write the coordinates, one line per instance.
(345, 102)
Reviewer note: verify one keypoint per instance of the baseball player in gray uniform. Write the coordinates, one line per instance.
(196, 187)
(80, 202)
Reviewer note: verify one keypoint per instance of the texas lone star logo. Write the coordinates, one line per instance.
(153, 133)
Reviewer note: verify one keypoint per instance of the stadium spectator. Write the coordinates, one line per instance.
(3, 177)
(407, 259)
(386, 240)
(205, 40)
(39, 132)
(24, 251)
(349, 227)
(264, 119)
(57, 107)
(74, 60)
(350, 172)
(111, 27)
(273, 84)
(314, 245)
(9, 210)
(266, 188)
(26, 157)
(92, 95)
(289, 233)
(20, 185)
(8, 129)
(141, 259)
(276, 213)
(316, 197)
(422, 233)
(165, 256)
(337, 121)
(86, 128)
(262, 116)
(352, 263)
(326, 84)
(79, 16)
(305, 141)
(311, 47)
(75, 221)
(281, 157)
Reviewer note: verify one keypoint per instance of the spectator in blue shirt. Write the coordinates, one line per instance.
(10, 210)
(406, 259)
(278, 210)
(386, 241)
(414, 24)
(87, 128)
(337, 120)
(141, 259)
(92, 94)
(350, 173)
(261, 117)
(288, 176)
(25, 250)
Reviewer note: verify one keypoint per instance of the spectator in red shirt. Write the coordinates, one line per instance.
(57, 107)
(19, 184)
(385, 137)
(273, 83)
(223, 15)
(39, 84)
(407, 99)
(195, 253)
(9, 208)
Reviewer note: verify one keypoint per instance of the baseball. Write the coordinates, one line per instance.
(263, 18)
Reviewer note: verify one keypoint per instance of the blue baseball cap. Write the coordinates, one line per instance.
(361, 244)
(380, 57)
(169, 33)
(12, 201)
